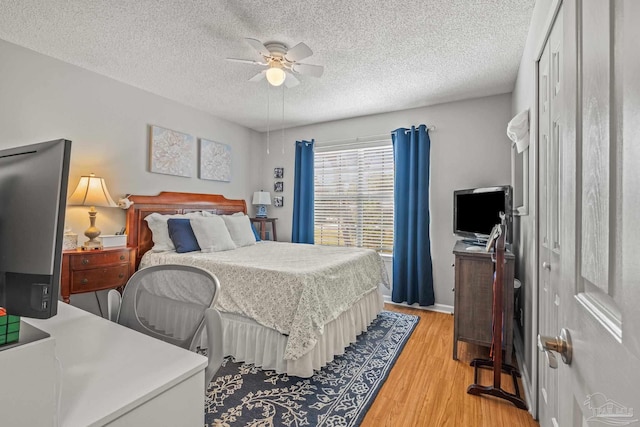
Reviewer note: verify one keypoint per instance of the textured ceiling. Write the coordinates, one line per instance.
(378, 55)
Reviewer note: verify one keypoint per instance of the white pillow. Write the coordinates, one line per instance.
(211, 233)
(239, 227)
(160, 230)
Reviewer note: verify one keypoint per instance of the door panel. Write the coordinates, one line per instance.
(549, 175)
(628, 62)
(599, 295)
(595, 288)
(595, 143)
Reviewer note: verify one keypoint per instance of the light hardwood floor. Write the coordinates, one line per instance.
(426, 387)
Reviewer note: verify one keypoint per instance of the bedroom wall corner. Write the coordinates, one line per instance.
(468, 149)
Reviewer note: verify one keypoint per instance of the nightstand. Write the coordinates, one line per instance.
(263, 226)
(90, 271)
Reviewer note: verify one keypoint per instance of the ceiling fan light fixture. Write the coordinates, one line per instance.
(275, 76)
(281, 63)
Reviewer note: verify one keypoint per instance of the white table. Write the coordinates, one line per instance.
(115, 376)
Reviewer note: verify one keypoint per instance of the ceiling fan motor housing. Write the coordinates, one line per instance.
(276, 49)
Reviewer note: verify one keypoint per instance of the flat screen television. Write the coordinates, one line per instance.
(33, 196)
(476, 211)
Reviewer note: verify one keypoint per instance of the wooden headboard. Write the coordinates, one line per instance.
(166, 203)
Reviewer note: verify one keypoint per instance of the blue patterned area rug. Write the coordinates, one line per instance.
(340, 394)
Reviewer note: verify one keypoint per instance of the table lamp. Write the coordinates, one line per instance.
(261, 199)
(91, 191)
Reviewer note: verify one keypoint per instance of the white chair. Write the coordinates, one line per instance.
(173, 303)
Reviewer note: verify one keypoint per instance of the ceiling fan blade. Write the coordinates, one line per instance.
(308, 69)
(259, 46)
(261, 75)
(298, 52)
(246, 61)
(291, 80)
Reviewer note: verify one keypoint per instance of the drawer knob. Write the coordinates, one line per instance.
(84, 281)
(121, 257)
(85, 261)
(121, 275)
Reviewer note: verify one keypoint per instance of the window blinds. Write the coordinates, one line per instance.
(354, 198)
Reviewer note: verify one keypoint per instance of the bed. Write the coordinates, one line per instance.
(284, 306)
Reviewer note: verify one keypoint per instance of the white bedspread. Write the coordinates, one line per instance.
(295, 289)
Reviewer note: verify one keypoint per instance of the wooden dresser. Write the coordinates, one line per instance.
(90, 271)
(474, 297)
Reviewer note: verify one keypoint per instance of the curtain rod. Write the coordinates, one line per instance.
(363, 139)
(355, 143)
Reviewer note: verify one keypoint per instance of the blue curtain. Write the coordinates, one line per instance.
(303, 194)
(412, 269)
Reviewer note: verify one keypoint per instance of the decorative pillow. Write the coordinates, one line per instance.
(182, 236)
(240, 229)
(211, 233)
(160, 231)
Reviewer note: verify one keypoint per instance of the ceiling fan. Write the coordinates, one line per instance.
(281, 62)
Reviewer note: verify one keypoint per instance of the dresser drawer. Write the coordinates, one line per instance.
(99, 278)
(92, 260)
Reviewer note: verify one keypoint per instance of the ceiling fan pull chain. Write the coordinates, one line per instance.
(268, 118)
(282, 119)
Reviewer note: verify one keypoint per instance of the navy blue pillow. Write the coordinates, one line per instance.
(182, 236)
(255, 233)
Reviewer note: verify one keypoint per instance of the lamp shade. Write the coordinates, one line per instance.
(91, 191)
(261, 198)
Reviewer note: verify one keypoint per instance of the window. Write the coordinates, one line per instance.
(353, 203)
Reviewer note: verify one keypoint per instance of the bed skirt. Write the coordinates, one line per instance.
(250, 342)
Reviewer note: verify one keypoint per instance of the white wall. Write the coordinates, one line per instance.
(523, 98)
(468, 149)
(42, 98)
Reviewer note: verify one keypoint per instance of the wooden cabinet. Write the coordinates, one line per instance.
(474, 297)
(90, 271)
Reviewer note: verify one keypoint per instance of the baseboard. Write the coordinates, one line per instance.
(440, 308)
(526, 381)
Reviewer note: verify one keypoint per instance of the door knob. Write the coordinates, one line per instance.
(546, 265)
(560, 344)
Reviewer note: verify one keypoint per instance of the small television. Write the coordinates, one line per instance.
(33, 196)
(477, 210)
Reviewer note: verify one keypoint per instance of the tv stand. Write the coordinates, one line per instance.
(473, 301)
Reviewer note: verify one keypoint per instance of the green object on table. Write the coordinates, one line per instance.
(9, 327)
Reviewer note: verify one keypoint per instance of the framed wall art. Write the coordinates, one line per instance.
(171, 152)
(215, 161)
